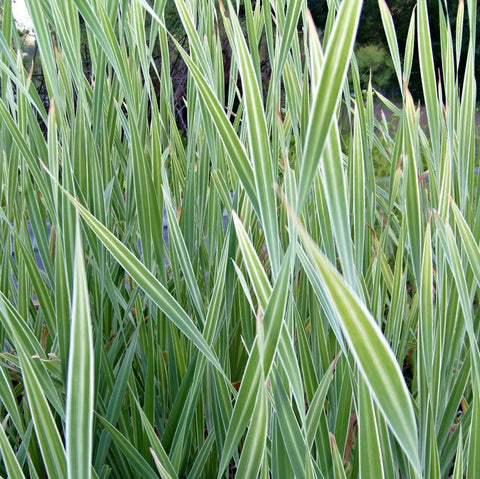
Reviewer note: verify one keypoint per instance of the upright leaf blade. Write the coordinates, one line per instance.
(80, 381)
(326, 93)
(371, 351)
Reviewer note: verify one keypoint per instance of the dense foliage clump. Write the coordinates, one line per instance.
(267, 268)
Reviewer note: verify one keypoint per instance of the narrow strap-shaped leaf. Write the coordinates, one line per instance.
(426, 327)
(39, 17)
(293, 436)
(202, 457)
(51, 446)
(409, 48)
(371, 351)
(431, 460)
(452, 252)
(317, 404)
(177, 241)
(155, 444)
(234, 147)
(412, 198)
(247, 395)
(471, 246)
(11, 463)
(115, 402)
(132, 454)
(147, 281)
(389, 29)
(254, 446)
(80, 380)
(256, 272)
(327, 93)
(33, 164)
(24, 338)
(466, 132)
(371, 464)
(427, 69)
(259, 145)
(9, 402)
(473, 459)
(338, 469)
(459, 458)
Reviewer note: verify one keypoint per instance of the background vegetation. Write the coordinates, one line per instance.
(371, 33)
(228, 287)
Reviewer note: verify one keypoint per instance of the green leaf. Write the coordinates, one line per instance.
(247, 396)
(254, 445)
(369, 441)
(46, 430)
(11, 463)
(134, 457)
(147, 281)
(259, 145)
(80, 381)
(326, 93)
(155, 445)
(293, 437)
(318, 402)
(338, 469)
(389, 29)
(427, 69)
(371, 351)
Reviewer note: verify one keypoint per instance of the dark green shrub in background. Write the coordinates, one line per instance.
(375, 64)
